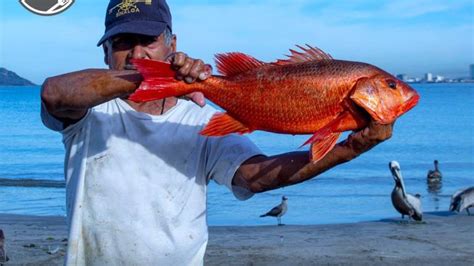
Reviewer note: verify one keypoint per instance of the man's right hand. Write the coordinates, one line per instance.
(190, 70)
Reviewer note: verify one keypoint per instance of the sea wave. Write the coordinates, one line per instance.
(24, 182)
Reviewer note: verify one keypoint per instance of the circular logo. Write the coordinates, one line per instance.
(46, 7)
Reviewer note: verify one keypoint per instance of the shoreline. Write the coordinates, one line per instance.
(443, 238)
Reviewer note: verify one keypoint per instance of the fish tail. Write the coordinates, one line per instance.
(158, 82)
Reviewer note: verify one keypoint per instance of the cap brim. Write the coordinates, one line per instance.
(151, 28)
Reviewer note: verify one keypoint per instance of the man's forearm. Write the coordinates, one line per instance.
(78, 91)
(262, 173)
(267, 173)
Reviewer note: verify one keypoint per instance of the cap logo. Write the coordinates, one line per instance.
(127, 7)
(46, 7)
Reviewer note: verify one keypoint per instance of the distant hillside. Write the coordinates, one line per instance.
(8, 77)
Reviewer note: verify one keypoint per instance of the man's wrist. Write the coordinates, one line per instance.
(354, 146)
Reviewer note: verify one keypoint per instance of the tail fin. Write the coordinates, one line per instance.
(159, 82)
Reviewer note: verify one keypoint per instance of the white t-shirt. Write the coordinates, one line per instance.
(136, 183)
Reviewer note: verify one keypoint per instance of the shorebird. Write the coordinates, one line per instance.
(404, 203)
(434, 175)
(3, 253)
(279, 210)
(462, 200)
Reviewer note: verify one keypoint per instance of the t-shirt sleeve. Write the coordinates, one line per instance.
(225, 155)
(50, 121)
(55, 124)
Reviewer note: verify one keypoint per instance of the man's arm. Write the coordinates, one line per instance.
(69, 96)
(261, 173)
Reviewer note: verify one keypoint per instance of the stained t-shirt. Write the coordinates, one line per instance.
(136, 183)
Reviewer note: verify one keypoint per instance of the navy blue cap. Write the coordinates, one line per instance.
(147, 17)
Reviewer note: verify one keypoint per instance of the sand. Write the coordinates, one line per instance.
(442, 239)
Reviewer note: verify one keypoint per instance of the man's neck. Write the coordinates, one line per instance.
(157, 107)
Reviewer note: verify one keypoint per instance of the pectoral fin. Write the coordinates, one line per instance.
(324, 139)
(321, 148)
(222, 124)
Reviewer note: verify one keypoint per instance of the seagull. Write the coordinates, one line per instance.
(279, 210)
(462, 200)
(404, 203)
(434, 175)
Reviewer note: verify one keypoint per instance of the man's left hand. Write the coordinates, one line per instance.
(365, 139)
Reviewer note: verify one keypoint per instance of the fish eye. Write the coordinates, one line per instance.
(391, 83)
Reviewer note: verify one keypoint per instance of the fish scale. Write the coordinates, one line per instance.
(308, 93)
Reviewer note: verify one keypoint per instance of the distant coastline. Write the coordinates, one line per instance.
(441, 82)
(434, 78)
(10, 78)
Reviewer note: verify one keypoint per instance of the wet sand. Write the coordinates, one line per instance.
(442, 239)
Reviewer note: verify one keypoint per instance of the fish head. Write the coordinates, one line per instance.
(384, 97)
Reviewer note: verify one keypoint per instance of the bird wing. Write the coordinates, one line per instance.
(467, 199)
(275, 211)
(415, 203)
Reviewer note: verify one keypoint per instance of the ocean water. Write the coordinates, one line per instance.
(441, 127)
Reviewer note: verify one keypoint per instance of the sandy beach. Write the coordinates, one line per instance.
(442, 239)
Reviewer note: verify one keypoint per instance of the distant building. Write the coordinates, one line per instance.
(403, 77)
(439, 78)
(471, 71)
(429, 77)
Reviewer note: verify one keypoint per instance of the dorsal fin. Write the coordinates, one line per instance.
(307, 54)
(230, 64)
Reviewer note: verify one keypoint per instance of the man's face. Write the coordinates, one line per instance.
(121, 48)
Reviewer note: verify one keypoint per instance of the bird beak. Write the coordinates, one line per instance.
(396, 175)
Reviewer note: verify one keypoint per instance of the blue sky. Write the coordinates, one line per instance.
(403, 36)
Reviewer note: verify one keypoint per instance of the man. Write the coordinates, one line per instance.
(137, 173)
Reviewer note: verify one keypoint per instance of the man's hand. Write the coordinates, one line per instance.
(190, 70)
(365, 139)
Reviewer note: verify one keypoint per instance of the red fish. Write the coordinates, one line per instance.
(308, 93)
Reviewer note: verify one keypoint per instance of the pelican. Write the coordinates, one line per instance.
(462, 200)
(279, 210)
(404, 203)
(434, 175)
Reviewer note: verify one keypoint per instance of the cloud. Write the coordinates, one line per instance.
(419, 7)
(268, 30)
(399, 36)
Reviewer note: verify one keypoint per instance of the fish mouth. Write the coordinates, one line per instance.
(412, 102)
